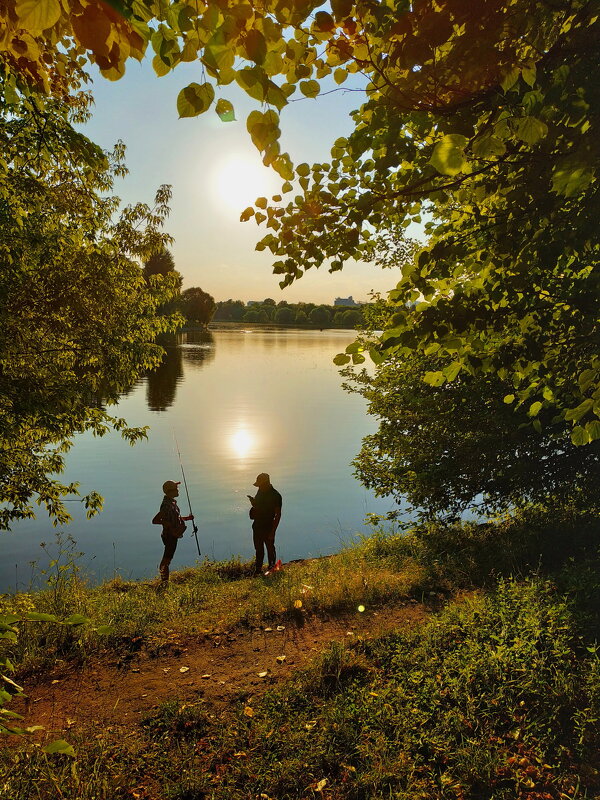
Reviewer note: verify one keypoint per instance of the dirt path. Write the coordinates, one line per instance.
(216, 668)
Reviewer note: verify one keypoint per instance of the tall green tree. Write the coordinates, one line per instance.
(197, 305)
(160, 263)
(78, 322)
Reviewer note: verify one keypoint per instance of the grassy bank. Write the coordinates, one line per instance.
(498, 696)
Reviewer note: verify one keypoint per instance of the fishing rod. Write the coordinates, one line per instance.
(187, 493)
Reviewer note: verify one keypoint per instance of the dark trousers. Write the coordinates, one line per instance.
(263, 537)
(170, 543)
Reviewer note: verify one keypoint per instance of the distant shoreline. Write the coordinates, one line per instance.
(224, 326)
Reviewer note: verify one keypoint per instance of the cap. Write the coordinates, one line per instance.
(170, 486)
(262, 479)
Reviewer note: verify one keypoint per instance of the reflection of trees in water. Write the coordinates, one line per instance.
(198, 347)
(195, 347)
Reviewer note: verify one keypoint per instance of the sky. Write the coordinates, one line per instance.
(215, 173)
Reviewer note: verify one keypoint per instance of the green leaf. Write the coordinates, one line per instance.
(104, 630)
(510, 79)
(535, 408)
(586, 378)
(160, 67)
(60, 746)
(449, 154)
(593, 430)
(76, 619)
(37, 15)
(530, 129)
(310, 88)
(225, 110)
(579, 436)
(195, 99)
(340, 75)
(488, 146)
(529, 74)
(577, 413)
(570, 179)
(376, 356)
(36, 616)
(341, 359)
(452, 371)
(434, 378)
(509, 398)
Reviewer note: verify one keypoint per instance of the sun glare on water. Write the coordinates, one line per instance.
(239, 180)
(242, 443)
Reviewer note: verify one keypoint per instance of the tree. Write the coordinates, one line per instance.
(78, 322)
(301, 318)
(458, 446)
(230, 310)
(320, 316)
(351, 318)
(160, 263)
(197, 305)
(485, 117)
(251, 315)
(284, 315)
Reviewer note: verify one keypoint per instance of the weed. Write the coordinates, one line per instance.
(177, 719)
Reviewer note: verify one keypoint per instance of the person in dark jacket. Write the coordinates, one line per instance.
(265, 514)
(173, 527)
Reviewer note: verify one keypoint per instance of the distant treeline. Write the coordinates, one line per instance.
(284, 313)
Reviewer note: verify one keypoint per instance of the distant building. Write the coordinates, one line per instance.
(344, 301)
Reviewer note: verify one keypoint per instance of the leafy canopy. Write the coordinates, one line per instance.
(77, 321)
(483, 116)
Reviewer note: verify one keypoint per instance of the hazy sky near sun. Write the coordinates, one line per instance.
(215, 172)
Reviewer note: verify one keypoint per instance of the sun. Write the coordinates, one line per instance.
(239, 179)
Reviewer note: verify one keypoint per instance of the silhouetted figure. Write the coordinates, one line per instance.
(173, 524)
(265, 514)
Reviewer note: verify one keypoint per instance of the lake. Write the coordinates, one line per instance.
(238, 402)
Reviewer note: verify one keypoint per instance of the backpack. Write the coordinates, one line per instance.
(179, 530)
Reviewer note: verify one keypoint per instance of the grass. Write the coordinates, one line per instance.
(496, 698)
(211, 597)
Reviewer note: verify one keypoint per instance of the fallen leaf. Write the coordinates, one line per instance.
(184, 669)
(205, 676)
(281, 659)
(268, 630)
(281, 627)
(241, 754)
(249, 712)
(263, 674)
(321, 785)
(297, 603)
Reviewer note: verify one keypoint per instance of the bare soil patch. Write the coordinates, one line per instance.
(216, 668)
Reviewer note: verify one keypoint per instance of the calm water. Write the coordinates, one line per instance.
(239, 403)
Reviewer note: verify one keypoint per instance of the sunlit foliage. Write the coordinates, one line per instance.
(78, 322)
